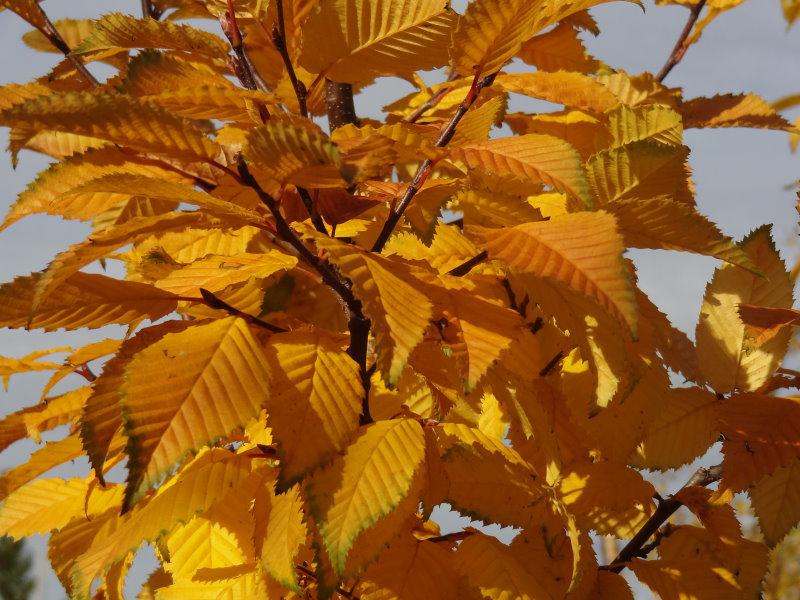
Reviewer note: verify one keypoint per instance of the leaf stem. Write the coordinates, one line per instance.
(431, 102)
(681, 46)
(636, 547)
(426, 167)
(213, 301)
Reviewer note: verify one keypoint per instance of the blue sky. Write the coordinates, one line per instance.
(742, 176)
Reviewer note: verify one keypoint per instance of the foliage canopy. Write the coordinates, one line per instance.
(329, 334)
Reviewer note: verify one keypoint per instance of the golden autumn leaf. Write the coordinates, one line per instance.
(590, 261)
(355, 40)
(537, 158)
(376, 473)
(116, 31)
(196, 407)
(727, 357)
(313, 410)
(114, 118)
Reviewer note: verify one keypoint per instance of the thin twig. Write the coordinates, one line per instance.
(551, 364)
(426, 167)
(432, 101)
(241, 62)
(681, 46)
(54, 37)
(279, 39)
(467, 266)
(703, 477)
(213, 301)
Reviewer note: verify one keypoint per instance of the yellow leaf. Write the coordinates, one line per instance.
(53, 190)
(294, 152)
(683, 430)
(537, 158)
(42, 460)
(479, 120)
(728, 358)
(560, 49)
(392, 300)
(687, 579)
(27, 364)
(640, 170)
(570, 89)
(102, 414)
(118, 31)
(355, 41)
(448, 249)
(73, 31)
(218, 538)
(654, 122)
(43, 505)
(583, 250)
(27, 9)
(494, 570)
(663, 223)
(286, 535)
(367, 484)
(760, 436)
(316, 400)
(776, 502)
(218, 378)
(213, 102)
(214, 273)
(83, 300)
(587, 134)
(607, 497)
(732, 110)
(115, 118)
(46, 415)
(411, 570)
(67, 264)
(152, 73)
(214, 476)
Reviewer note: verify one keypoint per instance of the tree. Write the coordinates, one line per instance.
(15, 582)
(348, 329)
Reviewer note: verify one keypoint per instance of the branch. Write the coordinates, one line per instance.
(466, 267)
(279, 39)
(54, 37)
(339, 104)
(431, 102)
(241, 63)
(358, 324)
(309, 573)
(212, 301)
(702, 477)
(150, 11)
(681, 46)
(426, 167)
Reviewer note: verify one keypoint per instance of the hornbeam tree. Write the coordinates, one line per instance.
(331, 331)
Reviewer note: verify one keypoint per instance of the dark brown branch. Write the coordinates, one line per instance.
(425, 169)
(279, 39)
(467, 266)
(149, 10)
(358, 324)
(54, 37)
(432, 101)
(551, 364)
(702, 477)
(681, 46)
(213, 301)
(242, 66)
(339, 104)
(85, 372)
